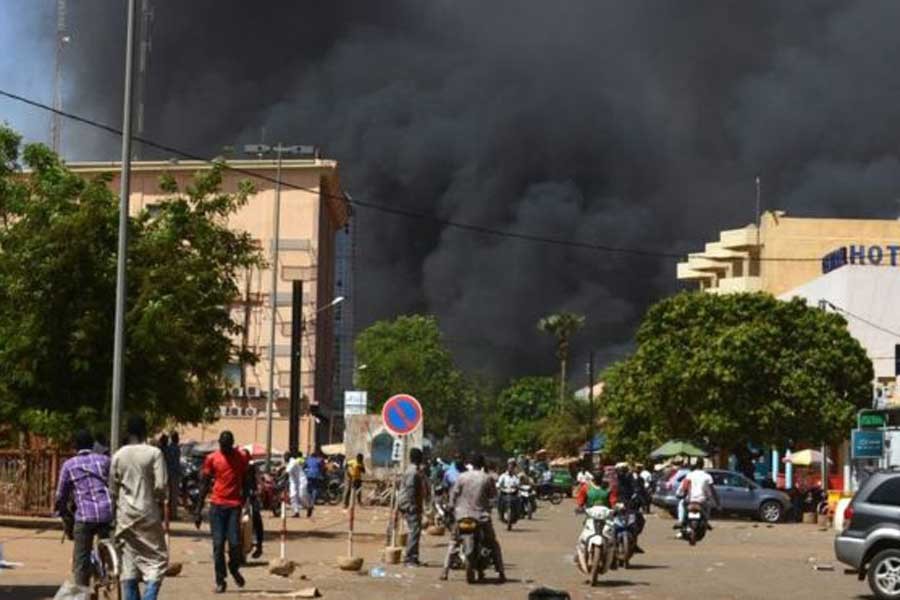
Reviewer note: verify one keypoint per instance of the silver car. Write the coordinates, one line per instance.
(737, 494)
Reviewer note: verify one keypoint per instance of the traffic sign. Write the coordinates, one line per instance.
(871, 420)
(866, 444)
(401, 414)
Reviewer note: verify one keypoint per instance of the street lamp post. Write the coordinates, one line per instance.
(118, 381)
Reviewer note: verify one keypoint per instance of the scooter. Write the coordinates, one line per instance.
(508, 507)
(478, 555)
(443, 512)
(528, 500)
(626, 531)
(596, 548)
(695, 524)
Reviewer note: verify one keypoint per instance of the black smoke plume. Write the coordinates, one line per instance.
(639, 124)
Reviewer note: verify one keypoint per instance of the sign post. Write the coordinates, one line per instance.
(401, 415)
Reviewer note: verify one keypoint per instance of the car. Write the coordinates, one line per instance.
(870, 541)
(737, 495)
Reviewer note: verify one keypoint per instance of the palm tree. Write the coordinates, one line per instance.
(562, 326)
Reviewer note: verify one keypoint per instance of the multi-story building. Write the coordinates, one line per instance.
(344, 314)
(312, 211)
(786, 252)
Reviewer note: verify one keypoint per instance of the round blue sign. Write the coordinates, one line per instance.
(401, 414)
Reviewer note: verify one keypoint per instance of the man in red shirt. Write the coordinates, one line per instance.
(225, 471)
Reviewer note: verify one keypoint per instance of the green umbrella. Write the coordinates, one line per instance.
(677, 448)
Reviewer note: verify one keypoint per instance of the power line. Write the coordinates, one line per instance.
(484, 230)
(862, 319)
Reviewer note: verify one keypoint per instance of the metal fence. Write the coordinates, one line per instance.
(28, 481)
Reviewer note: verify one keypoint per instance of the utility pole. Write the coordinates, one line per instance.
(62, 38)
(118, 381)
(143, 63)
(591, 404)
(296, 364)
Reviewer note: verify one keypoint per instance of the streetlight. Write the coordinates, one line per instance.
(279, 150)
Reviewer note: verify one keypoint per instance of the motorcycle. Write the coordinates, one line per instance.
(527, 500)
(508, 507)
(443, 512)
(596, 548)
(272, 488)
(627, 528)
(478, 555)
(189, 487)
(695, 525)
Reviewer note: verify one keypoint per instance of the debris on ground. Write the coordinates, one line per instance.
(823, 567)
(282, 567)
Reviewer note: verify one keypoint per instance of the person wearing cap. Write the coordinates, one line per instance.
(225, 470)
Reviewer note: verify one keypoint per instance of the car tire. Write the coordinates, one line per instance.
(771, 511)
(882, 582)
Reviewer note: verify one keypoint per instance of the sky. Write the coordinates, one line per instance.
(636, 124)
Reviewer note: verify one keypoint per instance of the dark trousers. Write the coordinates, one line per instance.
(314, 487)
(84, 544)
(256, 518)
(224, 522)
(414, 525)
(352, 487)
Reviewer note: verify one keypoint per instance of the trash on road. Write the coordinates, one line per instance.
(376, 572)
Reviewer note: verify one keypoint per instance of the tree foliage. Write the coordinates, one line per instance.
(516, 418)
(736, 369)
(408, 355)
(562, 326)
(58, 245)
(566, 431)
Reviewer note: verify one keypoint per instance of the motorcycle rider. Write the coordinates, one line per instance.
(626, 491)
(509, 482)
(697, 488)
(594, 492)
(471, 498)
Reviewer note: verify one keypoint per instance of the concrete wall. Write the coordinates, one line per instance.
(361, 430)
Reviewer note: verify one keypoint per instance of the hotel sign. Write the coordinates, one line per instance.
(861, 255)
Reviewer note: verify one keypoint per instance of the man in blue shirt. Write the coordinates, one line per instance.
(451, 473)
(315, 471)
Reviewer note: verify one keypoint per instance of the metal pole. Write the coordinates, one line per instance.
(591, 407)
(274, 301)
(758, 212)
(296, 363)
(118, 377)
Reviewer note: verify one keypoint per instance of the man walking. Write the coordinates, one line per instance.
(225, 470)
(172, 454)
(137, 484)
(84, 479)
(355, 470)
(410, 501)
(314, 467)
(251, 493)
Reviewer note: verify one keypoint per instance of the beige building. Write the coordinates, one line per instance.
(311, 212)
(787, 252)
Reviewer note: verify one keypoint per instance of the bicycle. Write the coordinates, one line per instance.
(104, 583)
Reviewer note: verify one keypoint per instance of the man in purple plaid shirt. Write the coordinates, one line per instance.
(84, 478)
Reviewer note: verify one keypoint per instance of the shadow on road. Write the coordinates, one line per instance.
(634, 567)
(28, 592)
(619, 583)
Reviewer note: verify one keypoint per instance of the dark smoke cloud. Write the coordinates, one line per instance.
(633, 123)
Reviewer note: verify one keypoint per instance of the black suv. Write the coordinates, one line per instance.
(870, 541)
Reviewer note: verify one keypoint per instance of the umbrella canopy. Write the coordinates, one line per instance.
(258, 450)
(805, 458)
(677, 448)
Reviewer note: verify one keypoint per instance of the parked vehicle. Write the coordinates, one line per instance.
(478, 554)
(870, 541)
(547, 493)
(596, 546)
(527, 500)
(442, 510)
(189, 487)
(737, 495)
(695, 525)
(562, 480)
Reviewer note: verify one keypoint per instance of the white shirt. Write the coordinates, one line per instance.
(508, 482)
(698, 480)
(581, 476)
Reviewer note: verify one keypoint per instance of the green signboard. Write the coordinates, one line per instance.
(872, 420)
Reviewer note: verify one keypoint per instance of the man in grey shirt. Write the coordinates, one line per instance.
(471, 498)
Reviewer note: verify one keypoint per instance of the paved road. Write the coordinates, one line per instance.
(738, 560)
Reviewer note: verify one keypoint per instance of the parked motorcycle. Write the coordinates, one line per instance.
(547, 493)
(189, 487)
(695, 525)
(527, 500)
(478, 554)
(271, 490)
(442, 510)
(508, 506)
(596, 547)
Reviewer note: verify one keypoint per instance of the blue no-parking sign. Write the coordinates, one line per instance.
(401, 414)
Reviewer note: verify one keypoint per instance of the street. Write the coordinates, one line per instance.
(739, 559)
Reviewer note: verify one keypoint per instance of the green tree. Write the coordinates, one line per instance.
(58, 236)
(562, 326)
(565, 431)
(408, 355)
(516, 417)
(736, 369)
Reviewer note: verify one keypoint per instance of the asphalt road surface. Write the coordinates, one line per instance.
(739, 559)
